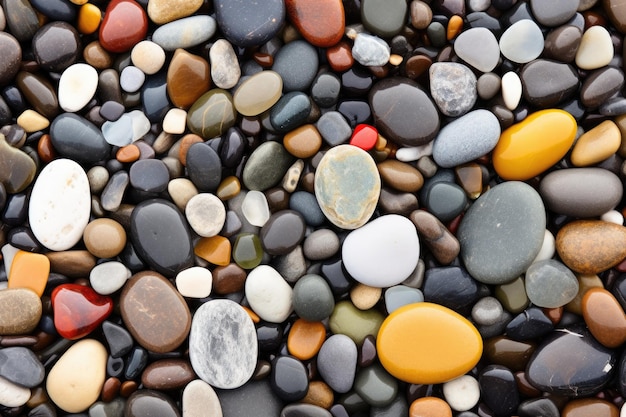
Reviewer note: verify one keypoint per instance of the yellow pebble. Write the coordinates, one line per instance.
(31, 121)
(215, 249)
(597, 144)
(455, 25)
(530, 147)
(228, 188)
(29, 270)
(89, 17)
(426, 343)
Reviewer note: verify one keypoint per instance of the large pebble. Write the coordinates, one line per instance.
(200, 399)
(21, 366)
(12, 52)
(427, 329)
(56, 46)
(581, 192)
(206, 214)
(269, 294)
(21, 311)
(604, 317)
(554, 13)
(522, 41)
(223, 344)
(382, 253)
(266, 166)
(258, 93)
(147, 402)
(547, 83)
(321, 24)
(347, 186)
(70, 214)
(453, 87)
(469, 137)
(595, 50)
(125, 24)
(336, 362)
(502, 232)
(184, 33)
(77, 138)
(75, 381)
(479, 48)
(255, 398)
(246, 23)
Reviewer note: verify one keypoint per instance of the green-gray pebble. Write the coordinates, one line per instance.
(266, 166)
(312, 298)
(375, 385)
(384, 18)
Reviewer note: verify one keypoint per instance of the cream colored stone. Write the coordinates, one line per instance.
(75, 381)
(597, 144)
(200, 400)
(511, 90)
(31, 121)
(175, 121)
(595, 50)
(164, 11)
(194, 282)
(365, 297)
(148, 57)
(13, 395)
(181, 190)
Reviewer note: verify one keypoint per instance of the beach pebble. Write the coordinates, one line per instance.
(453, 88)
(522, 41)
(194, 282)
(595, 50)
(336, 362)
(462, 393)
(77, 86)
(206, 214)
(269, 294)
(479, 48)
(13, 395)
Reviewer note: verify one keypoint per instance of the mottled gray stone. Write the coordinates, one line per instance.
(223, 344)
(266, 166)
(297, 64)
(453, 87)
(185, 33)
(312, 298)
(334, 128)
(225, 70)
(487, 311)
(370, 51)
(321, 244)
(20, 366)
(336, 362)
(550, 284)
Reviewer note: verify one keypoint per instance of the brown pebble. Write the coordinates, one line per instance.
(597, 144)
(513, 354)
(263, 369)
(604, 317)
(185, 143)
(20, 312)
(96, 56)
(72, 263)
(21, 340)
(585, 283)
(38, 396)
(319, 394)
(45, 150)
(228, 188)
(167, 374)
(340, 57)
(104, 238)
(303, 142)
(442, 244)
(400, 176)
(470, 178)
(127, 154)
(421, 14)
(554, 314)
(586, 407)
(228, 279)
(110, 389)
(365, 297)
(127, 388)
(524, 387)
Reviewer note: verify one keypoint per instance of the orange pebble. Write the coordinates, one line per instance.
(89, 17)
(455, 25)
(128, 153)
(305, 338)
(430, 407)
(185, 144)
(215, 249)
(340, 57)
(254, 316)
(29, 270)
(45, 150)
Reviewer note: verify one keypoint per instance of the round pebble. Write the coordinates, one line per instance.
(462, 393)
(206, 214)
(263, 281)
(522, 41)
(194, 282)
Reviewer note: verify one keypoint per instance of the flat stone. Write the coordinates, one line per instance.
(554, 13)
(462, 393)
(125, 24)
(453, 88)
(595, 406)
(321, 244)
(479, 48)
(260, 281)
(131, 79)
(147, 55)
(334, 128)
(312, 298)
(246, 23)
(597, 144)
(154, 312)
(336, 362)
(29, 270)
(600, 86)
(547, 83)
(146, 402)
(595, 49)
(21, 366)
(75, 381)
(283, 231)
(513, 216)
(118, 339)
(550, 284)
(375, 385)
(161, 11)
(258, 93)
(39, 92)
(200, 399)
(290, 112)
(17, 169)
(194, 282)
(357, 324)
(245, 400)
(322, 25)
(522, 41)
(385, 21)
(185, 33)
(297, 64)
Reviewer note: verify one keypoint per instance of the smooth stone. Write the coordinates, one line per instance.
(588, 368)
(28, 270)
(21, 311)
(17, 168)
(78, 310)
(306, 204)
(616, 12)
(336, 362)
(392, 241)
(125, 24)
(278, 306)
(104, 238)
(247, 251)
(258, 93)
(76, 138)
(513, 295)
(283, 231)
(118, 339)
(550, 284)
(11, 50)
(516, 228)
(21, 366)
(77, 87)
(154, 100)
(355, 323)
(225, 71)
(479, 48)
(595, 49)
(385, 21)
(194, 282)
(562, 43)
(147, 55)
(146, 403)
(101, 409)
(346, 205)
(75, 381)
(297, 64)
(499, 389)
(522, 41)
(223, 344)
(591, 246)
(426, 329)
(533, 145)
(488, 85)
(154, 312)
(305, 339)
(244, 401)
(184, 33)
(462, 393)
(590, 406)
(21, 19)
(370, 51)
(487, 311)
(538, 406)
(443, 286)
(255, 208)
(56, 46)
(303, 142)
(204, 167)
(453, 88)
(600, 86)
(187, 78)
(322, 25)
(581, 192)
(246, 23)
(39, 92)
(218, 120)
(604, 317)
(400, 176)
(304, 410)
(334, 128)
(149, 175)
(442, 244)
(111, 197)
(13, 395)
(547, 83)
(162, 11)
(175, 121)
(119, 132)
(131, 79)
(374, 385)
(403, 112)
(554, 13)
(206, 214)
(291, 111)
(461, 141)
(596, 145)
(200, 399)
(289, 378)
(266, 166)
(312, 298)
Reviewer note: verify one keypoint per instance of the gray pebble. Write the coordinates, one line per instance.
(487, 311)
(321, 244)
(336, 362)
(334, 128)
(370, 51)
(453, 87)
(550, 284)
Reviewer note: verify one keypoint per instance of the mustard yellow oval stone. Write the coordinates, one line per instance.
(533, 145)
(426, 343)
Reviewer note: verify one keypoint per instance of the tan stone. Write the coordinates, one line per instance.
(365, 297)
(164, 11)
(20, 312)
(597, 144)
(31, 121)
(104, 238)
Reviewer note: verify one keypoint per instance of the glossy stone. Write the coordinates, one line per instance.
(522, 41)
(167, 374)
(258, 93)
(246, 23)
(246, 400)
(288, 378)
(596, 144)
(499, 389)
(76, 138)
(21, 19)
(605, 317)
(357, 324)
(278, 306)
(296, 63)
(154, 100)
(146, 402)
(266, 166)
(312, 298)
(185, 33)
(550, 284)
(600, 85)
(590, 406)
(210, 124)
(322, 25)
(562, 43)
(479, 48)
(547, 83)
(377, 387)
(451, 287)
(125, 24)
(187, 78)
(17, 169)
(21, 366)
(78, 310)
(56, 46)
(166, 11)
(39, 92)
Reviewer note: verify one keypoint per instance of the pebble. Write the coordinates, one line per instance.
(184, 33)
(357, 324)
(591, 246)
(384, 21)
(19, 365)
(75, 381)
(563, 82)
(297, 64)
(550, 284)
(60, 177)
(499, 388)
(225, 71)
(245, 400)
(118, 339)
(516, 225)
(29, 270)
(428, 406)
(616, 14)
(223, 344)
(161, 11)
(289, 378)
(370, 51)
(125, 24)
(530, 147)
(258, 93)
(144, 402)
(206, 214)
(77, 87)
(21, 313)
(55, 46)
(290, 112)
(194, 282)
(167, 374)
(374, 385)
(11, 50)
(437, 288)
(320, 244)
(462, 393)
(147, 55)
(131, 79)
(401, 295)
(511, 90)
(479, 48)
(601, 85)
(453, 88)
(78, 310)
(200, 399)
(119, 132)
(76, 138)
(249, 24)
(336, 362)
(209, 124)
(487, 311)
(595, 406)
(522, 41)
(312, 298)
(306, 338)
(596, 144)
(334, 128)
(426, 329)
(604, 317)
(104, 238)
(266, 166)
(187, 78)
(581, 192)
(322, 25)
(13, 395)
(562, 43)
(595, 49)
(154, 312)
(335, 179)
(269, 295)
(18, 169)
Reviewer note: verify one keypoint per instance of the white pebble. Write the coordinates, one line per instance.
(410, 154)
(462, 393)
(77, 86)
(141, 124)
(175, 121)
(522, 42)
(12, 395)
(548, 247)
(595, 50)
(131, 79)
(108, 277)
(613, 216)
(511, 90)
(148, 56)
(255, 208)
(206, 214)
(268, 294)
(194, 282)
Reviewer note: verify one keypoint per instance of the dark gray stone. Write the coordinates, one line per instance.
(256, 398)
(248, 23)
(266, 166)
(453, 87)
(21, 366)
(547, 83)
(297, 64)
(312, 298)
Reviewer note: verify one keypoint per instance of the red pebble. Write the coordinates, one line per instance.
(125, 24)
(364, 136)
(78, 310)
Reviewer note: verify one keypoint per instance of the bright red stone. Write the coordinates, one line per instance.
(364, 136)
(78, 310)
(125, 25)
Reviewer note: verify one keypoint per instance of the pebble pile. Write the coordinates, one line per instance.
(298, 208)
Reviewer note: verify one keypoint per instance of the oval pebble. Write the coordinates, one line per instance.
(479, 48)
(453, 88)
(522, 41)
(206, 214)
(108, 277)
(258, 93)
(77, 86)
(320, 244)
(200, 399)
(336, 362)
(269, 294)
(184, 33)
(382, 253)
(194, 282)
(223, 344)
(312, 298)
(595, 49)
(550, 284)
(462, 393)
(21, 310)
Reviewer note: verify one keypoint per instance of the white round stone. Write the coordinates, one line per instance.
(141, 124)
(268, 294)
(613, 216)
(60, 205)
(255, 208)
(462, 393)
(131, 79)
(175, 121)
(77, 86)
(194, 282)
(206, 214)
(108, 277)
(522, 42)
(479, 48)
(75, 381)
(223, 344)
(13, 395)
(413, 153)
(200, 400)
(382, 253)
(548, 247)
(595, 50)
(511, 90)
(148, 57)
